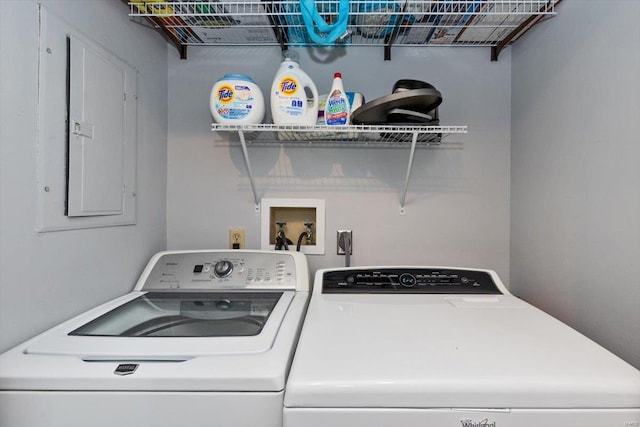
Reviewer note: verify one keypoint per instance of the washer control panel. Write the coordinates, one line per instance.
(409, 281)
(222, 270)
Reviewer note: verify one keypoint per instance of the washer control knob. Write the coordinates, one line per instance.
(407, 280)
(223, 268)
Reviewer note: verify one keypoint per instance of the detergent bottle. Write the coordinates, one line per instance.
(236, 99)
(337, 109)
(294, 97)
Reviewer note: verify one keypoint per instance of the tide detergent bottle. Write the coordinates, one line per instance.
(236, 99)
(294, 97)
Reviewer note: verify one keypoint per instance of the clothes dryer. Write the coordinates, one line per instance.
(447, 347)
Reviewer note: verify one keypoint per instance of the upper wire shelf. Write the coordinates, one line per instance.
(494, 23)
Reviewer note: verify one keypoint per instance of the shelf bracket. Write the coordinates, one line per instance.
(414, 140)
(278, 30)
(158, 24)
(245, 154)
(521, 29)
(391, 38)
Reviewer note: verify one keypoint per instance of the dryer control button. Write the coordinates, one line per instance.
(407, 280)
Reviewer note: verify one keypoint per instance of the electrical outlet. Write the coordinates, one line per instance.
(236, 238)
(342, 235)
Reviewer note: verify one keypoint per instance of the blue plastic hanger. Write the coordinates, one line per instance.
(319, 30)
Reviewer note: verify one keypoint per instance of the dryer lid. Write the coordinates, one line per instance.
(449, 351)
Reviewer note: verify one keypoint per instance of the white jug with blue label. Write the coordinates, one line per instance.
(236, 99)
(294, 97)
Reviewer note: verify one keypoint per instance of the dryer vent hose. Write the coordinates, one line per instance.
(345, 243)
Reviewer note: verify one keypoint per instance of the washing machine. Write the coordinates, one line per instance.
(205, 338)
(447, 347)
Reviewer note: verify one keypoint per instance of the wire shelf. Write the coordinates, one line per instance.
(372, 22)
(352, 136)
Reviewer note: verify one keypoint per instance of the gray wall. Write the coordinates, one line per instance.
(458, 200)
(48, 277)
(575, 233)
(568, 104)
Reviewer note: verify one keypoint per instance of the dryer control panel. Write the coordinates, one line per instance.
(409, 281)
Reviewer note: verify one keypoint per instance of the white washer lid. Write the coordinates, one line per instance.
(56, 361)
(434, 351)
(61, 342)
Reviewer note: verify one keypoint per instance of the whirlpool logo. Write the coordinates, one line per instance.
(483, 423)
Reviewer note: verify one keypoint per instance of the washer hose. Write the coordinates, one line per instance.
(304, 234)
(282, 243)
(300, 237)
